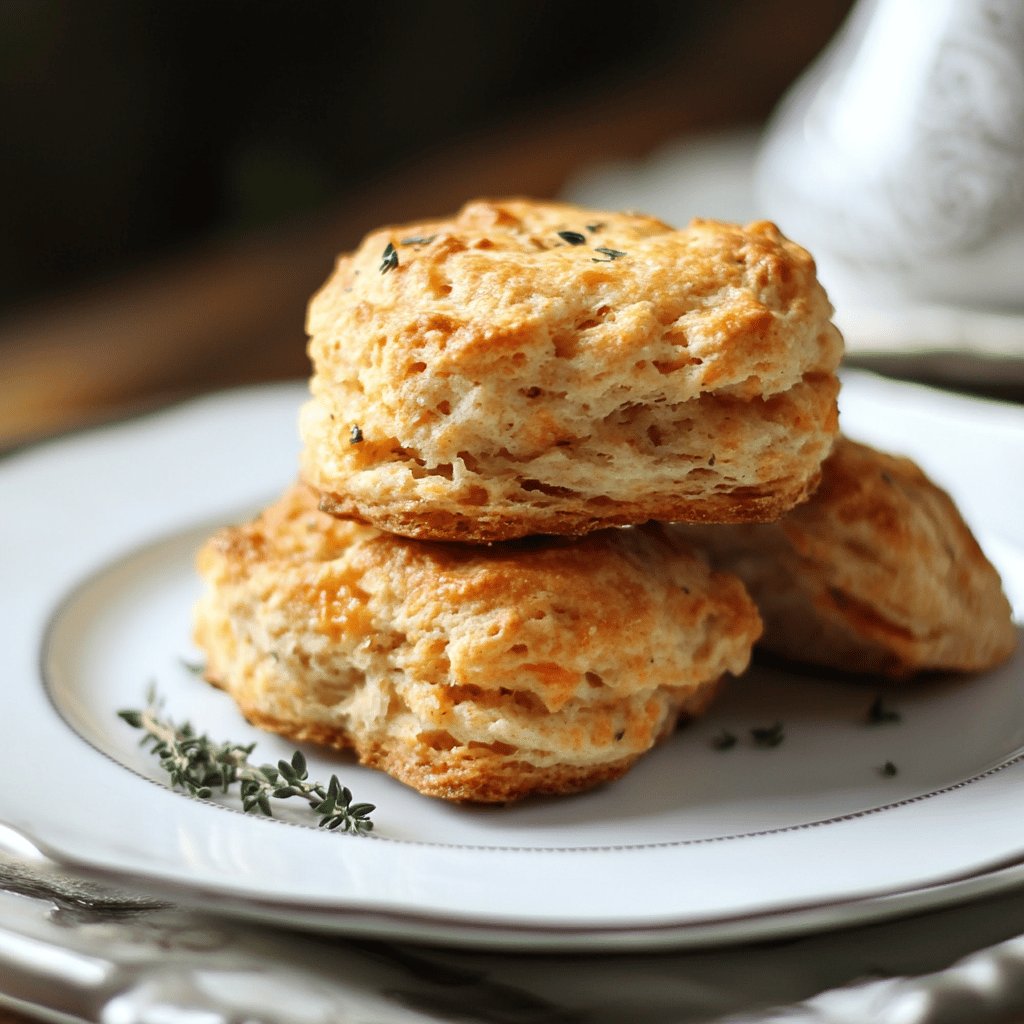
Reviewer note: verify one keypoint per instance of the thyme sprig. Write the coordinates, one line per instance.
(199, 765)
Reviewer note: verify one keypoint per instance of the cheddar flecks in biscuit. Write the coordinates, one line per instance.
(470, 673)
(876, 573)
(530, 367)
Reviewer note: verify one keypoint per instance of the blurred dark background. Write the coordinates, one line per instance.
(135, 125)
(216, 153)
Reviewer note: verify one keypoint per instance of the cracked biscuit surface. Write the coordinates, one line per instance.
(470, 673)
(877, 572)
(531, 367)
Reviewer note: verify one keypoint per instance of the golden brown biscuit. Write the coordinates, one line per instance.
(470, 673)
(876, 573)
(532, 367)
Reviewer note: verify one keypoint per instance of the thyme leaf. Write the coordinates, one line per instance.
(355, 435)
(612, 254)
(389, 261)
(195, 763)
(572, 237)
(418, 240)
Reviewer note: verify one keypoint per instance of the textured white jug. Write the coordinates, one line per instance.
(898, 158)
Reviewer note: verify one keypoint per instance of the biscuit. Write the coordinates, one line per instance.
(469, 673)
(531, 367)
(876, 573)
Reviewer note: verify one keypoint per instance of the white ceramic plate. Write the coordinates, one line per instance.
(694, 845)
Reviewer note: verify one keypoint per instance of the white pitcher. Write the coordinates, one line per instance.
(898, 158)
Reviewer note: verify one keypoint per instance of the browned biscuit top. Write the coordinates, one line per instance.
(479, 294)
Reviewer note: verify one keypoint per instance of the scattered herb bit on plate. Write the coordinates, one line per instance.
(879, 714)
(888, 770)
(768, 735)
(197, 668)
(199, 765)
(723, 740)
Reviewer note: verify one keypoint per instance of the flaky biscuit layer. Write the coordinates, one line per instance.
(470, 673)
(531, 367)
(877, 572)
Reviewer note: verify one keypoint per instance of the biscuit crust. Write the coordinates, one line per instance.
(469, 673)
(876, 573)
(502, 375)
